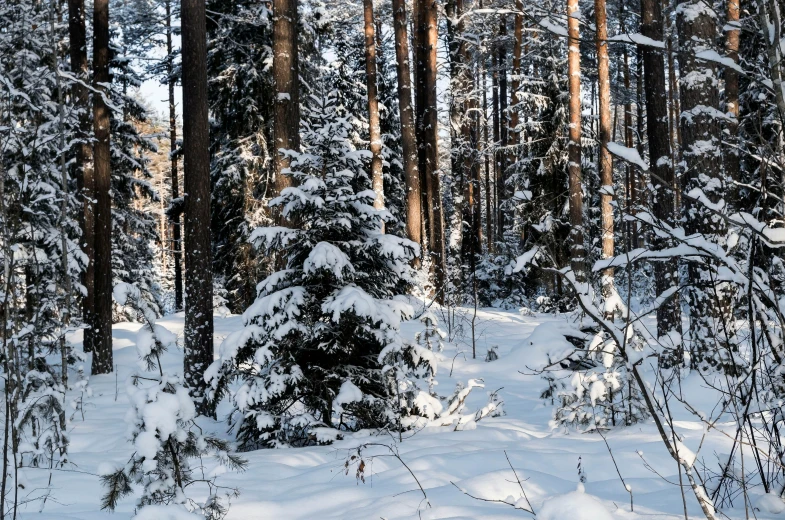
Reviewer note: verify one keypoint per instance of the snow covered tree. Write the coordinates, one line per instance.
(309, 355)
(241, 106)
(38, 242)
(162, 429)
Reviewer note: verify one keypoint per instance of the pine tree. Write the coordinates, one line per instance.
(196, 168)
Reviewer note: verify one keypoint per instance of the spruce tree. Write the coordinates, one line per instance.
(311, 354)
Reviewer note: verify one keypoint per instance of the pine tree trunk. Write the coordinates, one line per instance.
(286, 118)
(700, 130)
(408, 139)
(501, 173)
(638, 180)
(196, 171)
(605, 158)
(377, 178)
(628, 142)
(101, 324)
(486, 146)
(577, 253)
(516, 133)
(661, 201)
(494, 148)
(84, 157)
(427, 41)
(170, 79)
(732, 92)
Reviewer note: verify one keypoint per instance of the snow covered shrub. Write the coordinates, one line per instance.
(162, 429)
(410, 369)
(601, 392)
(432, 337)
(41, 425)
(310, 355)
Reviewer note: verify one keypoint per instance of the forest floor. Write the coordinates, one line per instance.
(312, 483)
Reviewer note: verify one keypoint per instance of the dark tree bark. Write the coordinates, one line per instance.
(84, 157)
(494, 148)
(665, 273)
(504, 134)
(176, 245)
(408, 139)
(516, 133)
(630, 172)
(577, 252)
(486, 146)
(286, 119)
(196, 167)
(377, 178)
(710, 322)
(101, 323)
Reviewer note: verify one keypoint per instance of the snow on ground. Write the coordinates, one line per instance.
(312, 483)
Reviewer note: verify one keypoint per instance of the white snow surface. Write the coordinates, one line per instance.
(312, 483)
(574, 506)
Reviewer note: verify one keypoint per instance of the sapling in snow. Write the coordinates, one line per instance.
(161, 428)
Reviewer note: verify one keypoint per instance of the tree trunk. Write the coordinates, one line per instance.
(84, 157)
(101, 324)
(377, 177)
(577, 254)
(666, 274)
(628, 142)
(732, 92)
(408, 139)
(427, 41)
(517, 50)
(605, 158)
(494, 148)
(485, 147)
(639, 180)
(501, 172)
(176, 246)
(196, 169)
(286, 118)
(700, 131)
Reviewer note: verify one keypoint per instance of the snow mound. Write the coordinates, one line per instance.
(573, 506)
(770, 503)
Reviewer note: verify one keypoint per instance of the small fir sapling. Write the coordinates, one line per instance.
(169, 446)
(311, 356)
(601, 393)
(432, 337)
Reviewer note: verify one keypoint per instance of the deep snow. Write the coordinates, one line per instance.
(312, 483)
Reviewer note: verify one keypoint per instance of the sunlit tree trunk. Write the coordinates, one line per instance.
(605, 158)
(427, 41)
(286, 116)
(408, 138)
(377, 178)
(577, 253)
